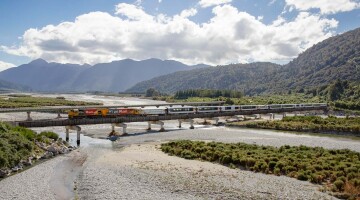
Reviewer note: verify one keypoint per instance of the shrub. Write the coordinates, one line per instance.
(339, 185)
(48, 134)
(302, 176)
(272, 165)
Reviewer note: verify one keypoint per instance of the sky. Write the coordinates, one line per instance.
(215, 32)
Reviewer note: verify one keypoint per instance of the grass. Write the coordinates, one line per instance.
(349, 125)
(337, 170)
(29, 101)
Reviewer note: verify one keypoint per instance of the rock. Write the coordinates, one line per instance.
(4, 173)
(15, 169)
(47, 155)
(27, 162)
(64, 150)
(53, 149)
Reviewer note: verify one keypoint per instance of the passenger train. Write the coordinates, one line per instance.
(122, 112)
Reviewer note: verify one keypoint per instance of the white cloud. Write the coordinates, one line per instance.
(209, 3)
(325, 6)
(5, 65)
(229, 36)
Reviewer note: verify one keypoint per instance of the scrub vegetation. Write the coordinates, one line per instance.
(337, 170)
(18, 143)
(310, 124)
(29, 101)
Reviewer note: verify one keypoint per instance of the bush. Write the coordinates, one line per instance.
(317, 165)
(339, 185)
(302, 176)
(48, 134)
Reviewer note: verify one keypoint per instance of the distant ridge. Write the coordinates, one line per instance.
(116, 76)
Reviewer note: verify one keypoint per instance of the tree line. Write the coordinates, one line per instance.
(184, 94)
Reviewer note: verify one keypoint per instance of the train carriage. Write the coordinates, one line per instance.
(208, 109)
(181, 110)
(232, 108)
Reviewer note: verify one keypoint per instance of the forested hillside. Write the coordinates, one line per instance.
(239, 77)
(335, 58)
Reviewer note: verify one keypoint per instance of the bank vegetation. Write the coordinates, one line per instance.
(338, 171)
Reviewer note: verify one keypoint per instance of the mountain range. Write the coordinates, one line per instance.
(116, 76)
(335, 58)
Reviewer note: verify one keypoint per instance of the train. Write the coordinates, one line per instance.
(127, 112)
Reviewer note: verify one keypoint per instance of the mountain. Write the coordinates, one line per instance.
(234, 77)
(120, 75)
(6, 86)
(113, 77)
(335, 58)
(43, 76)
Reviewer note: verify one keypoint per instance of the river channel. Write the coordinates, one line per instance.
(134, 168)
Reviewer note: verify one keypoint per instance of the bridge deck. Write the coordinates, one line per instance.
(64, 108)
(87, 121)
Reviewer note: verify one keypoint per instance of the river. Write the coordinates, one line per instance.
(134, 168)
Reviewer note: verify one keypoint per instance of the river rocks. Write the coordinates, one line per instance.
(45, 151)
(17, 168)
(27, 162)
(47, 155)
(4, 173)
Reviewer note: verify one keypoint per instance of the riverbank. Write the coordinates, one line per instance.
(144, 172)
(46, 180)
(349, 126)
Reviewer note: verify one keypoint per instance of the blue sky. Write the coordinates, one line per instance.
(191, 31)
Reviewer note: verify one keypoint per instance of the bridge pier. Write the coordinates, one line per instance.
(67, 135)
(191, 124)
(28, 116)
(124, 126)
(161, 123)
(216, 121)
(272, 116)
(75, 128)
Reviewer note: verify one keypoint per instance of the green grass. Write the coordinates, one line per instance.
(337, 170)
(350, 125)
(28, 101)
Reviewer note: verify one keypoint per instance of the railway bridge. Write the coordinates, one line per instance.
(74, 124)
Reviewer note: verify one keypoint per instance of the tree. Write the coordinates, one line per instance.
(151, 92)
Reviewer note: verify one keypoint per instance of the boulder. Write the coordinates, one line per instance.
(47, 155)
(53, 149)
(27, 162)
(4, 173)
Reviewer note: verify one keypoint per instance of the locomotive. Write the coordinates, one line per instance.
(122, 112)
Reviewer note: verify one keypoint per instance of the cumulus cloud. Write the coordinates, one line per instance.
(325, 6)
(209, 3)
(5, 65)
(229, 36)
